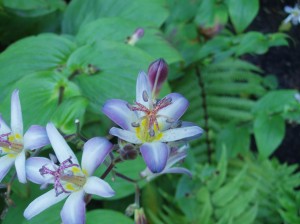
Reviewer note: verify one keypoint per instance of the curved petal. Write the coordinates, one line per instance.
(6, 163)
(178, 170)
(181, 133)
(36, 137)
(73, 211)
(125, 135)
(288, 9)
(143, 90)
(43, 202)
(33, 166)
(155, 155)
(16, 114)
(288, 19)
(176, 109)
(97, 186)
(20, 167)
(4, 129)
(118, 111)
(60, 146)
(94, 152)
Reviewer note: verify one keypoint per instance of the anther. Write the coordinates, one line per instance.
(135, 124)
(145, 96)
(151, 132)
(129, 106)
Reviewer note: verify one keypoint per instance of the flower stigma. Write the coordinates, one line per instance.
(68, 172)
(148, 129)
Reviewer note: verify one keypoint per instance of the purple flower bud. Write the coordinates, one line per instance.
(157, 73)
(139, 216)
(138, 34)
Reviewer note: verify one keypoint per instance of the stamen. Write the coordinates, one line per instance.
(58, 174)
(151, 132)
(129, 106)
(135, 124)
(5, 142)
(145, 96)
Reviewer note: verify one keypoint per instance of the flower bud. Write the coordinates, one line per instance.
(157, 73)
(138, 34)
(127, 151)
(139, 216)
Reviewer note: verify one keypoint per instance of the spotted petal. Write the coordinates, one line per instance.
(4, 129)
(176, 109)
(180, 133)
(97, 186)
(94, 152)
(20, 167)
(6, 162)
(60, 146)
(155, 155)
(16, 114)
(143, 90)
(33, 165)
(36, 137)
(118, 111)
(43, 202)
(125, 135)
(73, 211)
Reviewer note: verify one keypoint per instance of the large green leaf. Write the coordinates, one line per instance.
(269, 132)
(39, 96)
(43, 52)
(242, 13)
(119, 65)
(32, 8)
(119, 29)
(123, 188)
(105, 216)
(144, 12)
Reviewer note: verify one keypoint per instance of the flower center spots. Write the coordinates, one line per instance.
(13, 143)
(148, 128)
(68, 172)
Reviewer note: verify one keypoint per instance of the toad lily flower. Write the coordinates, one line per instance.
(150, 123)
(69, 179)
(13, 145)
(176, 155)
(294, 14)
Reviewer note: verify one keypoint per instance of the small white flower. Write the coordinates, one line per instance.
(294, 14)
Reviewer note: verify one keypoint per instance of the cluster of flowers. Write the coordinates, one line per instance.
(149, 127)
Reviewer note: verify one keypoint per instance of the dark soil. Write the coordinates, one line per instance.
(284, 63)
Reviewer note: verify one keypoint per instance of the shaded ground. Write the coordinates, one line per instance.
(284, 63)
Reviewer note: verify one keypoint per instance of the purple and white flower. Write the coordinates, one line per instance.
(151, 123)
(294, 14)
(13, 144)
(69, 179)
(176, 155)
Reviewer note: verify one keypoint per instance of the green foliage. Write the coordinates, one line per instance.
(242, 190)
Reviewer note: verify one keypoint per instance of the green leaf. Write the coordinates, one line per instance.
(252, 42)
(228, 138)
(242, 13)
(144, 12)
(119, 29)
(66, 113)
(123, 188)
(119, 65)
(267, 104)
(105, 216)
(43, 52)
(39, 96)
(268, 132)
(33, 8)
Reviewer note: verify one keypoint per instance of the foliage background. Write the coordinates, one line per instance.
(67, 59)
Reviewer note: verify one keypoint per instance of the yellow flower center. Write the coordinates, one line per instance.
(143, 132)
